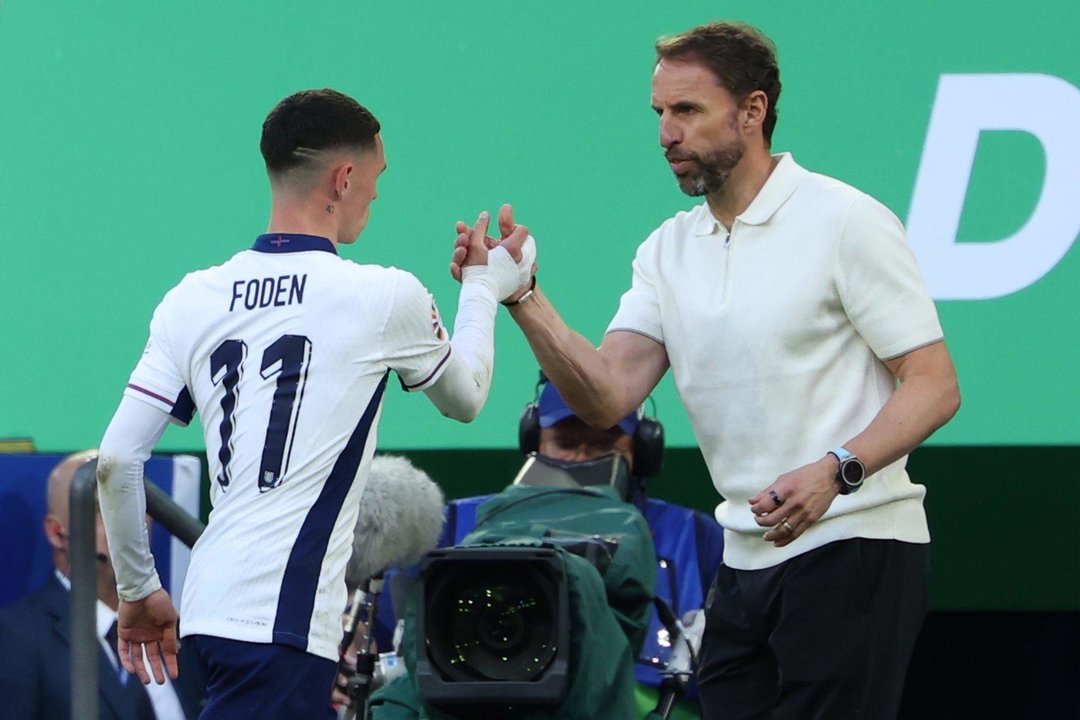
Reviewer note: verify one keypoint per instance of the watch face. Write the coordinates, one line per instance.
(852, 472)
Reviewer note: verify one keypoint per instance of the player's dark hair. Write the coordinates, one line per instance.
(740, 56)
(313, 120)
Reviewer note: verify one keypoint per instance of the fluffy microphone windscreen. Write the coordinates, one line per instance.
(401, 519)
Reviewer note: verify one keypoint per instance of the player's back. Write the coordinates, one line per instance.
(285, 352)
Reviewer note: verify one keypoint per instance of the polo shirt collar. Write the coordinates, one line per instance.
(779, 186)
(781, 183)
(292, 242)
(705, 223)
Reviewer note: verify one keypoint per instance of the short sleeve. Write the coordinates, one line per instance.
(157, 379)
(416, 341)
(880, 285)
(639, 307)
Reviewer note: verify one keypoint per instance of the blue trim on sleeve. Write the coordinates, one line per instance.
(296, 601)
(184, 407)
(292, 242)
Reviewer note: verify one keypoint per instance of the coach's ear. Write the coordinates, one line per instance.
(754, 107)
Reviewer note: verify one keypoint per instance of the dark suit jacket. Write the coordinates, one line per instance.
(35, 664)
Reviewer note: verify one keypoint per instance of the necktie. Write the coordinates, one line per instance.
(132, 687)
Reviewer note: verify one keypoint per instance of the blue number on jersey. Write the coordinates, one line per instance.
(288, 358)
(227, 366)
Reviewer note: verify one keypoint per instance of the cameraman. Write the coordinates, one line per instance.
(571, 496)
(585, 455)
(688, 543)
(613, 609)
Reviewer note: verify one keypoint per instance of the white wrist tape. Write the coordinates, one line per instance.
(504, 276)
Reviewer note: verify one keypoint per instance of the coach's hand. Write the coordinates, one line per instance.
(511, 259)
(795, 501)
(148, 625)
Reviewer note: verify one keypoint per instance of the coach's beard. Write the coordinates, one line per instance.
(713, 171)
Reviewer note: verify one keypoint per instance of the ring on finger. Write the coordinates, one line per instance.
(776, 498)
(787, 526)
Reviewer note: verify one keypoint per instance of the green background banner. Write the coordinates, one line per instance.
(129, 156)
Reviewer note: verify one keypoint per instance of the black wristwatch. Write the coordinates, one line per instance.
(851, 473)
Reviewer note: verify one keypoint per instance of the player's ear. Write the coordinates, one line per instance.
(339, 176)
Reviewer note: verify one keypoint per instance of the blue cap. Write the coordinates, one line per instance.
(554, 410)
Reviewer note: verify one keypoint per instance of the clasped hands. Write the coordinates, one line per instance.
(506, 264)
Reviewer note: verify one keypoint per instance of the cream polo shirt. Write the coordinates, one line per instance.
(776, 333)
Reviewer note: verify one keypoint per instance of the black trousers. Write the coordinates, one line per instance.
(827, 634)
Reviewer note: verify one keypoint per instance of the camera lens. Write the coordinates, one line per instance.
(492, 621)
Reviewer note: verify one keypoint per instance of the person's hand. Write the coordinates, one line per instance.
(795, 501)
(472, 244)
(347, 666)
(339, 694)
(473, 248)
(148, 626)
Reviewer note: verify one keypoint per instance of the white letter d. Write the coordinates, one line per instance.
(1045, 106)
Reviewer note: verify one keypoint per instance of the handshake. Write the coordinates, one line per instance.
(507, 265)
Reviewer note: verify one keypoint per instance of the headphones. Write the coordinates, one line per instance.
(647, 441)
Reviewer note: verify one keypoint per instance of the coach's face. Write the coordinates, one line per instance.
(699, 125)
(361, 191)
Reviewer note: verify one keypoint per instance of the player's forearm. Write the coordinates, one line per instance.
(463, 388)
(921, 404)
(126, 446)
(575, 365)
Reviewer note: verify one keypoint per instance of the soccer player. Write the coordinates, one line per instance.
(285, 351)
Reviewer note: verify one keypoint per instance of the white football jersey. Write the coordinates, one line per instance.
(285, 351)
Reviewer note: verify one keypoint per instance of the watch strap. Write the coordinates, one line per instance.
(841, 453)
(846, 459)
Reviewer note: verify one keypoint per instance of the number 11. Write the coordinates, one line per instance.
(288, 358)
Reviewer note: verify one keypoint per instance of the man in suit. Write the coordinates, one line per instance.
(35, 636)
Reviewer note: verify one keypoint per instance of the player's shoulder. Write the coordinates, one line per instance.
(209, 274)
(368, 270)
(387, 279)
